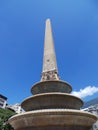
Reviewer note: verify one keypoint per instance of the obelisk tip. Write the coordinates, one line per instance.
(47, 20)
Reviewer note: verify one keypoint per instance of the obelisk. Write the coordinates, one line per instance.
(52, 107)
(50, 71)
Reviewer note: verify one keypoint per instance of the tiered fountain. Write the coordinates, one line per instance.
(52, 107)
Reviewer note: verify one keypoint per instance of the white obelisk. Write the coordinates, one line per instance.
(50, 71)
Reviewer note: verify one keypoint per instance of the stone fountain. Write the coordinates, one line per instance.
(52, 107)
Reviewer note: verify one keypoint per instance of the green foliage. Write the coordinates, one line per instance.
(5, 114)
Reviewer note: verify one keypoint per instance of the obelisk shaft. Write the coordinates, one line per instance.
(50, 71)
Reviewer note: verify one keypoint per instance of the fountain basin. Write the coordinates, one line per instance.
(52, 101)
(51, 86)
(44, 119)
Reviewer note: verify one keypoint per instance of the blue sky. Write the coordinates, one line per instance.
(75, 32)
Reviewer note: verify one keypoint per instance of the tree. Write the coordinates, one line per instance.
(5, 114)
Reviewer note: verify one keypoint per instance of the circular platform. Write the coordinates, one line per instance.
(57, 118)
(51, 86)
(52, 101)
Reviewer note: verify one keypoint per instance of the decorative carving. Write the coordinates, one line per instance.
(50, 75)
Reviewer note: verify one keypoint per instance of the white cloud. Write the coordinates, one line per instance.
(87, 91)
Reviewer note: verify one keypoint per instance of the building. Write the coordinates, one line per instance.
(16, 107)
(93, 109)
(3, 101)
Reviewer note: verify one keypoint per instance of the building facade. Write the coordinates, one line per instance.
(93, 109)
(3, 101)
(16, 107)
